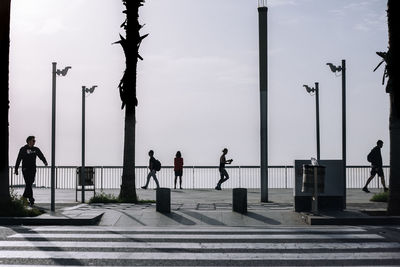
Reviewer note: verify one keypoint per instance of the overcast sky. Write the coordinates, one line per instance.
(198, 86)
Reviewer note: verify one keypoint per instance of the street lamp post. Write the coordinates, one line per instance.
(263, 61)
(83, 172)
(53, 129)
(316, 91)
(342, 69)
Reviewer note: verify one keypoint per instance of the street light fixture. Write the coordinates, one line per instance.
(315, 91)
(82, 172)
(55, 72)
(342, 69)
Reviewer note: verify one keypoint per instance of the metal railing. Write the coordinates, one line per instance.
(194, 177)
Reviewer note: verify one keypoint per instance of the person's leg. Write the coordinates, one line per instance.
(29, 177)
(153, 173)
(383, 183)
(176, 177)
(147, 181)
(226, 175)
(218, 187)
(382, 176)
(373, 173)
(180, 182)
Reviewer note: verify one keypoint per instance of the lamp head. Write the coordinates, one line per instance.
(64, 71)
(89, 90)
(333, 67)
(309, 89)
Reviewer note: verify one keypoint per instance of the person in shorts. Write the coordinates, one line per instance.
(375, 157)
(224, 174)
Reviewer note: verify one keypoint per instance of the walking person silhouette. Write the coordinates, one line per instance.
(153, 169)
(224, 174)
(375, 157)
(27, 154)
(178, 168)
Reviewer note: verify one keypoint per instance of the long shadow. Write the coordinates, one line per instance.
(261, 218)
(131, 217)
(24, 230)
(179, 218)
(202, 218)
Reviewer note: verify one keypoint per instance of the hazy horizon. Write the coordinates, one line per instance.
(198, 85)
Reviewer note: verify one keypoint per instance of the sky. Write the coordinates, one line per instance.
(198, 85)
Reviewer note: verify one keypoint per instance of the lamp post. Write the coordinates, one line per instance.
(55, 72)
(315, 91)
(83, 173)
(263, 61)
(342, 69)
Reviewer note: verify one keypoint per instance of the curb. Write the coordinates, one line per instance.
(51, 221)
(354, 221)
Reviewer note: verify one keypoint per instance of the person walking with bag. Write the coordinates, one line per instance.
(375, 157)
(154, 166)
(178, 168)
(27, 154)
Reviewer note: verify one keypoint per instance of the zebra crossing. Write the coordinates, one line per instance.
(224, 246)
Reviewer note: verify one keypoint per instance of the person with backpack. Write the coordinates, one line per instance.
(375, 158)
(178, 168)
(27, 154)
(154, 166)
(222, 171)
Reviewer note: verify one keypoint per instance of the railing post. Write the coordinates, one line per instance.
(285, 177)
(240, 177)
(12, 176)
(193, 178)
(56, 170)
(101, 178)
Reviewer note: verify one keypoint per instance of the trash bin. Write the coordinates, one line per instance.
(89, 173)
(308, 178)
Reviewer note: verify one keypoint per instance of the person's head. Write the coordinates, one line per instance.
(379, 143)
(151, 153)
(30, 141)
(178, 154)
(225, 151)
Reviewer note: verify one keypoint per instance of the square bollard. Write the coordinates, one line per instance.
(163, 200)
(239, 200)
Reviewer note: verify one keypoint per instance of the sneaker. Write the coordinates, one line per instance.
(31, 201)
(386, 189)
(181, 187)
(217, 188)
(365, 190)
(144, 187)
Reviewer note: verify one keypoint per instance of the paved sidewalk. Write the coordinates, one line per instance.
(201, 207)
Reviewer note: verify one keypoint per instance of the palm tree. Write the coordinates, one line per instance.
(393, 88)
(4, 104)
(127, 89)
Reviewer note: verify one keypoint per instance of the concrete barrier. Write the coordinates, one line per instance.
(239, 200)
(163, 200)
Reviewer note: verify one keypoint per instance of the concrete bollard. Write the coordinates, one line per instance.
(239, 200)
(163, 200)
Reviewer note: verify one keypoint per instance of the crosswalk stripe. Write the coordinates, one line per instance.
(200, 230)
(196, 236)
(199, 245)
(196, 256)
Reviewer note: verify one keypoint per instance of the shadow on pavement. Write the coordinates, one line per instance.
(203, 218)
(262, 218)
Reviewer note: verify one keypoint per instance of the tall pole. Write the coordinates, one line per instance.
(263, 58)
(83, 146)
(53, 136)
(344, 128)
(317, 119)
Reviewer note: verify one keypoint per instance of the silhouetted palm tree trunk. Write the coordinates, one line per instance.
(127, 89)
(4, 103)
(393, 88)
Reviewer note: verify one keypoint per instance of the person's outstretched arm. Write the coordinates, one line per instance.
(41, 156)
